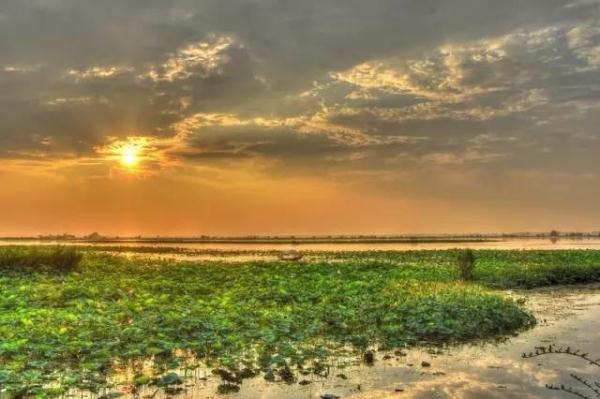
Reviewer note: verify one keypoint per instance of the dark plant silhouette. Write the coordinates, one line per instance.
(466, 264)
(61, 259)
(591, 387)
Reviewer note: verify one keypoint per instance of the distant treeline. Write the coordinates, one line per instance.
(433, 238)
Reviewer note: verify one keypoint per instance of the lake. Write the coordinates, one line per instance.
(492, 243)
(269, 251)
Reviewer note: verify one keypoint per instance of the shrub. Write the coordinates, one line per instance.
(58, 259)
(466, 264)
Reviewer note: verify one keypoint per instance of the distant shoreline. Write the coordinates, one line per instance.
(256, 241)
(359, 239)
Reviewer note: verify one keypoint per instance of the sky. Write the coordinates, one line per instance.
(184, 117)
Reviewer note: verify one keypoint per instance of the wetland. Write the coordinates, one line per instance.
(343, 323)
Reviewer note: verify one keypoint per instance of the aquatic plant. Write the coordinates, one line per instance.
(63, 331)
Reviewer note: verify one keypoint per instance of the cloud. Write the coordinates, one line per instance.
(446, 115)
(202, 58)
(348, 85)
(584, 41)
(98, 72)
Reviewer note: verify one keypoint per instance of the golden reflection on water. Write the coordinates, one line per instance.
(241, 252)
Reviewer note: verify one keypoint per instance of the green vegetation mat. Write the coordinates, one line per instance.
(72, 327)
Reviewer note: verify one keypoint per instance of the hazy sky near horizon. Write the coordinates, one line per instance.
(291, 117)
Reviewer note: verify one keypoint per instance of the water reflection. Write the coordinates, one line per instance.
(225, 248)
(243, 252)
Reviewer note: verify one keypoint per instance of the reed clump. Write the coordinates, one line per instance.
(466, 264)
(56, 259)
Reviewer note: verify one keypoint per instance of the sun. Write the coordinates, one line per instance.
(134, 154)
(130, 155)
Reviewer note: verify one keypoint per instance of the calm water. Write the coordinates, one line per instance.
(240, 252)
(513, 243)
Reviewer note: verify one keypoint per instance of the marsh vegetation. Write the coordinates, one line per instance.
(162, 320)
(60, 259)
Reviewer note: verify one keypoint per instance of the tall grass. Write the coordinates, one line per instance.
(56, 259)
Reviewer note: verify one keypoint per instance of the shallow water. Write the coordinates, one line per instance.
(508, 243)
(240, 252)
(568, 316)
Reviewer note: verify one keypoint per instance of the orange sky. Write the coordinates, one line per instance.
(236, 205)
(308, 117)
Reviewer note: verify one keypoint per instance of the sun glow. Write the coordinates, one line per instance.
(130, 152)
(130, 155)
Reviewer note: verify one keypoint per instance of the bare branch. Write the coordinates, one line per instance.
(586, 383)
(542, 350)
(567, 390)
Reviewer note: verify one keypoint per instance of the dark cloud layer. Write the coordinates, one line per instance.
(321, 86)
